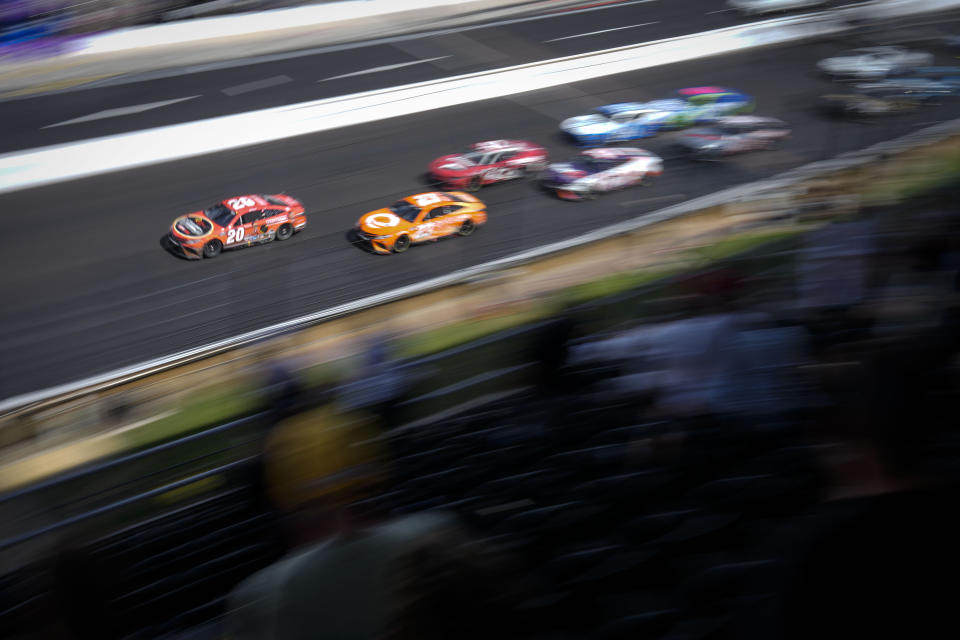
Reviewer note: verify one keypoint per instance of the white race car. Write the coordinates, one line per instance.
(874, 62)
(598, 170)
(756, 7)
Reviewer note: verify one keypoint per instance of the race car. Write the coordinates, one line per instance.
(633, 120)
(757, 7)
(874, 62)
(420, 218)
(918, 87)
(604, 169)
(237, 222)
(488, 162)
(851, 104)
(734, 134)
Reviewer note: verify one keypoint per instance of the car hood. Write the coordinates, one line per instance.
(592, 124)
(192, 225)
(452, 164)
(564, 173)
(382, 222)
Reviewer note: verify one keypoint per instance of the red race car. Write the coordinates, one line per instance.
(488, 162)
(237, 222)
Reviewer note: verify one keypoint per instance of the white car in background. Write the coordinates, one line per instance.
(756, 7)
(874, 62)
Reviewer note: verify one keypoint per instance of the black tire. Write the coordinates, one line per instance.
(466, 228)
(285, 232)
(401, 244)
(212, 249)
(474, 183)
(589, 194)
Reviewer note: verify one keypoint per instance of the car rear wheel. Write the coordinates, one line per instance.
(401, 244)
(474, 183)
(467, 228)
(284, 232)
(212, 249)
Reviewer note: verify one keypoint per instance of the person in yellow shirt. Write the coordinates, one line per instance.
(351, 577)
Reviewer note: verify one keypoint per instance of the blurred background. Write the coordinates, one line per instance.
(707, 390)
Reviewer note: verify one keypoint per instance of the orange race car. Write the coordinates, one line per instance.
(237, 222)
(419, 218)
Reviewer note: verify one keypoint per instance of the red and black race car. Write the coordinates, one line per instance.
(488, 162)
(237, 222)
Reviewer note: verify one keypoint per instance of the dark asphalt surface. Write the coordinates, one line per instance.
(27, 122)
(87, 287)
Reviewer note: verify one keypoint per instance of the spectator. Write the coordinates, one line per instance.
(380, 385)
(352, 576)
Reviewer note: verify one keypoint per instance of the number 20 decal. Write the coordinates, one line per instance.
(235, 235)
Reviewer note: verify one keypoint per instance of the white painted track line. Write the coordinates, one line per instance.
(594, 33)
(120, 111)
(389, 67)
(257, 85)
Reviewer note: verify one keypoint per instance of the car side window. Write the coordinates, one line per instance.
(269, 213)
(442, 211)
(507, 155)
(251, 216)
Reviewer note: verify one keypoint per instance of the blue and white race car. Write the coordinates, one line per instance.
(598, 170)
(633, 120)
(921, 83)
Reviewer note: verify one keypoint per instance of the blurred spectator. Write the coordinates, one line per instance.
(380, 385)
(353, 575)
(832, 266)
(283, 389)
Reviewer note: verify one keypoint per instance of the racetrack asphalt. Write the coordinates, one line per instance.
(301, 76)
(88, 288)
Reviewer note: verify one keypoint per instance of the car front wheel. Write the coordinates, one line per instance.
(467, 228)
(284, 232)
(401, 244)
(212, 249)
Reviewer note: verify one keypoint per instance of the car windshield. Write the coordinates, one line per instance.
(405, 210)
(219, 214)
(592, 165)
(471, 156)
